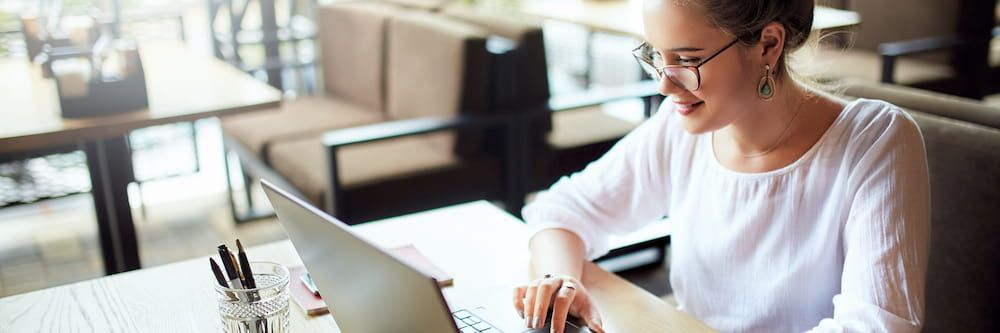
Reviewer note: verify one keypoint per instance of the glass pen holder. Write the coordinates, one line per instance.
(259, 310)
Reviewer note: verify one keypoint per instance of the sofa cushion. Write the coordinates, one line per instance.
(351, 39)
(836, 63)
(944, 105)
(964, 165)
(574, 128)
(962, 138)
(307, 116)
(303, 163)
(437, 67)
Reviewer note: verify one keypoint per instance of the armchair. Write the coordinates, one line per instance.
(430, 152)
(945, 49)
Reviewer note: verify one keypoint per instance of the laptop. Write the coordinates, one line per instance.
(369, 290)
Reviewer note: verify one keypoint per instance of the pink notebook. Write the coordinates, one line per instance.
(310, 303)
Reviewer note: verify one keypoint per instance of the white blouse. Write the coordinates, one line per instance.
(835, 242)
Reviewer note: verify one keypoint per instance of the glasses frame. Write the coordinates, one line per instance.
(659, 72)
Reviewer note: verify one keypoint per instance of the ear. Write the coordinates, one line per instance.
(772, 42)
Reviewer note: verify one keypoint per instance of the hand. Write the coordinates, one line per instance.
(565, 294)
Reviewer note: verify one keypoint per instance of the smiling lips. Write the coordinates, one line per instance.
(686, 108)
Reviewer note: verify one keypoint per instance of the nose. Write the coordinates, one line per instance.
(668, 87)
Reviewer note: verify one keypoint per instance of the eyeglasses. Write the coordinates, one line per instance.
(687, 77)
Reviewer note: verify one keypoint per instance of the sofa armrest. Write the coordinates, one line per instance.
(938, 104)
(892, 50)
(597, 96)
(402, 128)
(336, 139)
(914, 46)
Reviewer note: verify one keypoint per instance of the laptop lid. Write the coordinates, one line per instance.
(367, 289)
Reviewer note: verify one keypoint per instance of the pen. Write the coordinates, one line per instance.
(239, 271)
(218, 273)
(230, 266)
(248, 282)
(245, 267)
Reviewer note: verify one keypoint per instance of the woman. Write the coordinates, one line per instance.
(791, 210)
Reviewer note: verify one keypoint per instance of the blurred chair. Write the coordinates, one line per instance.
(409, 91)
(962, 138)
(558, 135)
(430, 151)
(583, 129)
(351, 48)
(929, 44)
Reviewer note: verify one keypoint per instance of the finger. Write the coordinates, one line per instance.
(543, 299)
(519, 299)
(529, 302)
(593, 320)
(560, 307)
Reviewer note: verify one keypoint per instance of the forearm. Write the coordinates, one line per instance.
(557, 251)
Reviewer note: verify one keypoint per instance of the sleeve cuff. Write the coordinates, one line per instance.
(852, 315)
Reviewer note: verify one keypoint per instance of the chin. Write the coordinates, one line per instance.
(695, 126)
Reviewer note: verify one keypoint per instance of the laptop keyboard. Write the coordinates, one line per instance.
(470, 323)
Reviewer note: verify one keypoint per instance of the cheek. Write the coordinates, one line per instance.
(727, 83)
(727, 88)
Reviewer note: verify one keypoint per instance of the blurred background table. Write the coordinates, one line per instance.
(624, 17)
(181, 85)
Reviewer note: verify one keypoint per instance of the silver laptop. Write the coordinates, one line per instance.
(369, 290)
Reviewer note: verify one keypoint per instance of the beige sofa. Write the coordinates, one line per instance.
(408, 91)
(962, 138)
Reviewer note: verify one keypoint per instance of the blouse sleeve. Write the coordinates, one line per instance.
(886, 237)
(618, 193)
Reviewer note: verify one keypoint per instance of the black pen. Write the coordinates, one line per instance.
(248, 280)
(218, 273)
(230, 266)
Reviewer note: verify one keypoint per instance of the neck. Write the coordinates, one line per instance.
(766, 124)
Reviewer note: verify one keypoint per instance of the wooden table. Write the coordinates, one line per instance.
(480, 245)
(181, 85)
(624, 17)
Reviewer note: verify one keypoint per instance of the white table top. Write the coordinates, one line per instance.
(179, 297)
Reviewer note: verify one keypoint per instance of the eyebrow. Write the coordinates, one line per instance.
(685, 49)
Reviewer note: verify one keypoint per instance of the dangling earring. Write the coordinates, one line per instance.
(765, 89)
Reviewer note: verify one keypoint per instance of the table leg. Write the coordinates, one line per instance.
(110, 164)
